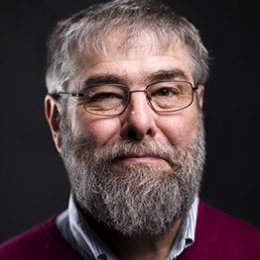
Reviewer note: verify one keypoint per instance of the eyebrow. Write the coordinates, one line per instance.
(167, 75)
(159, 75)
(103, 79)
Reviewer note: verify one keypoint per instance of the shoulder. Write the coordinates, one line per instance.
(43, 241)
(218, 221)
(222, 236)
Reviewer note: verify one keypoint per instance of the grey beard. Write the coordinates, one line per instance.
(134, 200)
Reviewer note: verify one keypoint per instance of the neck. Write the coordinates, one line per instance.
(139, 248)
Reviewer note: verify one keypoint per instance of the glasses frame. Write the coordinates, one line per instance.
(79, 95)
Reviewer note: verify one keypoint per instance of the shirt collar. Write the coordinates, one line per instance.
(186, 235)
(89, 243)
(88, 239)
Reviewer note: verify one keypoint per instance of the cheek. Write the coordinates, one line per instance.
(99, 130)
(180, 129)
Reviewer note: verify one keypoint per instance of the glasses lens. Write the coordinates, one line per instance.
(105, 99)
(170, 96)
(111, 99)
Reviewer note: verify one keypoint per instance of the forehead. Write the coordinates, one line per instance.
(136, 56)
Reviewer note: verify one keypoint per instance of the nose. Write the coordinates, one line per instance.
(138, 120)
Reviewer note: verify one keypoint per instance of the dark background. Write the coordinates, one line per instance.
(33, 182)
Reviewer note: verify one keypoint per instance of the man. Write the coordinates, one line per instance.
(125, 95)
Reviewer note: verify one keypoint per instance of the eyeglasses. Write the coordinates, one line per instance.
(112, 99)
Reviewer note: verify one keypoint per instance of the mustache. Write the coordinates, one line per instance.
(119, 150)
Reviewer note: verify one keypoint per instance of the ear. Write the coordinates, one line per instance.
(200, 95)
(52, 113)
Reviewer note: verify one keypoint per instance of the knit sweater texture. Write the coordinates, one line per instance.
(219, 236)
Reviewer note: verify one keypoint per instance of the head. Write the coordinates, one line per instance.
(137, 171)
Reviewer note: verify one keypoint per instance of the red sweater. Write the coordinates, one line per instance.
(218, 237)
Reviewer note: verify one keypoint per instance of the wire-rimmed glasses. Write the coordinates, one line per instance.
(164, 97)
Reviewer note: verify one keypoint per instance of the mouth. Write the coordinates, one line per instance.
(148, 159)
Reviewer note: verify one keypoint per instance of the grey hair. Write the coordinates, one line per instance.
(86, 32)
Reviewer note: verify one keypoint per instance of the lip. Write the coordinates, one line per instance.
(137, 158)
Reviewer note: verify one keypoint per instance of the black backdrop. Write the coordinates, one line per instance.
(33, 182)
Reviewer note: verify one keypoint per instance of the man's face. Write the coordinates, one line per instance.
(139, 171)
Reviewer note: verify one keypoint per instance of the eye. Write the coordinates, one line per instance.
(103, 94)
(103, 97)
(165, 92)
